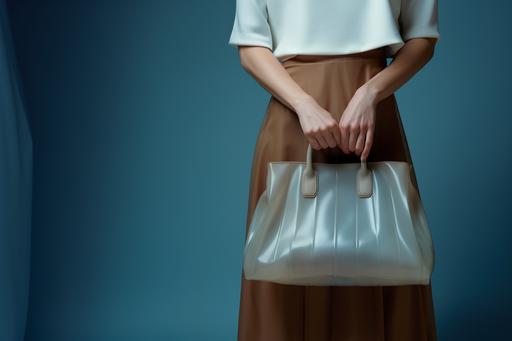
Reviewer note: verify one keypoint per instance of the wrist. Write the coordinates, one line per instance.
(371, 92)
(297, 102)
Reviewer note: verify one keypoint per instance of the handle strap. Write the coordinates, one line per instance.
(309, 178)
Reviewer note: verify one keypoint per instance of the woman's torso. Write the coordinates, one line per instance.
(330, 27)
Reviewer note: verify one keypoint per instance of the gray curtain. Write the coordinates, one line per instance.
(15, 193)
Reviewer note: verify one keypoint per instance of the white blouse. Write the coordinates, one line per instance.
(290, 27)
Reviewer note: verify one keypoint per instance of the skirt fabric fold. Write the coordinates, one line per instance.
(278, 312)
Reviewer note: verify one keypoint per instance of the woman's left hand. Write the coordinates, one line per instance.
(357, 123)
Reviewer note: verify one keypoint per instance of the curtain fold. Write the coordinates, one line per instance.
(15, 193)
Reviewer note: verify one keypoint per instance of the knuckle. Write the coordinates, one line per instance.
(332, 125)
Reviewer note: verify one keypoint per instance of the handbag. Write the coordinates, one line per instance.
(339, 224)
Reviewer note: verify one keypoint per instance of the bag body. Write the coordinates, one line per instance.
(339, 224)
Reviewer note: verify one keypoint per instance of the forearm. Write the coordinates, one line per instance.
(408, 61)
(266, 69)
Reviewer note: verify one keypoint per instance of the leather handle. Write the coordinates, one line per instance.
(309, 179)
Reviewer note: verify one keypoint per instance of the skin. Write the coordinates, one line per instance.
(355, 130)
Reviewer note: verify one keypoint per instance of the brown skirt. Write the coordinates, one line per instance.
(279, 312)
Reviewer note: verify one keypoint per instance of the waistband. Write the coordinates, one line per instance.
(377, 54)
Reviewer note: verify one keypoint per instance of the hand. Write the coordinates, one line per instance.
(318, 125)
(357, 123)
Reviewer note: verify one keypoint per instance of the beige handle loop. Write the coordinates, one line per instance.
(309, 179)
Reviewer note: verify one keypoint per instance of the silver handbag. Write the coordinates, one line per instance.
(339, 224)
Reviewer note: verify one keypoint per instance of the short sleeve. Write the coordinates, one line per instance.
(418, 18)
(251, 26)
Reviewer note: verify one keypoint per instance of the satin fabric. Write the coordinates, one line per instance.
(276, 312)
(290, 27)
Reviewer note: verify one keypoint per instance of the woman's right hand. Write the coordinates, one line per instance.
(318, 125)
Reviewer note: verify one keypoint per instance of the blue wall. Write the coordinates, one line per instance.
(15, 193)
(143, 143)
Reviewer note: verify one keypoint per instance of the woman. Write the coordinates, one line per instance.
(325, 65)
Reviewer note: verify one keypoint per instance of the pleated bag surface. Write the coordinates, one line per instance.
(339, 224)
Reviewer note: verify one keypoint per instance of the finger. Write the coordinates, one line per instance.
(314, 143)
(344, 135)
(368, 144)
(329, 138)
(335, 131)
(360, 142)
(321, 140)
(354, 132)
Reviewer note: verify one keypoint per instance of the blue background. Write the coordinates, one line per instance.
(15, 193)
(144, 124)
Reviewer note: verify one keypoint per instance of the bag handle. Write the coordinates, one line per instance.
(309, 178)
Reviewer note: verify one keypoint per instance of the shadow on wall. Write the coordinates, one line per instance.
(474, 324)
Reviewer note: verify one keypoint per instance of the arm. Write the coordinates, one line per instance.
(318, 125)
(415, 54)
(357, 123)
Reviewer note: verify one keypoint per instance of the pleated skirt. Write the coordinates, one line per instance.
(280, 312)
